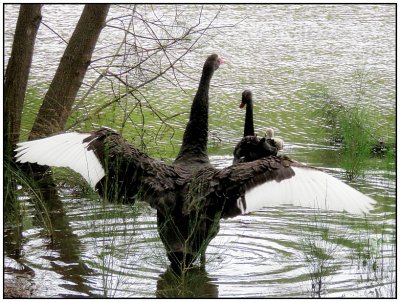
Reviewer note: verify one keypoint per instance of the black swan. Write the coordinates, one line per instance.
(191, 196)
(250, 147)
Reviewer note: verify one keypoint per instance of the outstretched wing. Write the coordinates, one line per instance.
(275, 180)
(64, 150)
(108, 163)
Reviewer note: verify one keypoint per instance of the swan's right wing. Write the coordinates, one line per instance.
(275, 180)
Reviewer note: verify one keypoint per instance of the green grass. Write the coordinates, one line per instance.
(358, 134)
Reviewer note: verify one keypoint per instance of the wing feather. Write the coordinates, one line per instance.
(63, 150)
(112, 166)
(277, 180)
(308, 188)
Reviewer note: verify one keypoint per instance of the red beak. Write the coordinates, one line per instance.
(241, 105)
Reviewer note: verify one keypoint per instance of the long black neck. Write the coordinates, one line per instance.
(248, 122)
(194, 144)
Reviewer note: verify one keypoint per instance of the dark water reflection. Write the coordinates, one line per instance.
(62, 248)
(196, 283)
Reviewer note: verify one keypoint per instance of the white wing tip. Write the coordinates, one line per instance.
(63, 150)
(309, 188)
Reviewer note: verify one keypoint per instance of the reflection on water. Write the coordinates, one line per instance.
(60, 249)
(65, 247)
(194, 284)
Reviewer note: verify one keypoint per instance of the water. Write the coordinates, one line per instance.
(115, 251)
(277, 51)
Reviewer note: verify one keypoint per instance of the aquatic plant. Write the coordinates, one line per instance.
(376, 264)
(357, 139)
(14, 206)
(12, 213)
(351, 122)
(318, 250)
(114, 242)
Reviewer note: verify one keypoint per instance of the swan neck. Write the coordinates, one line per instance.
(248, 123)
(194, 144)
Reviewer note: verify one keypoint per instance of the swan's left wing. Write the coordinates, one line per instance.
(67, 150)
(112, 166)
(276, 180)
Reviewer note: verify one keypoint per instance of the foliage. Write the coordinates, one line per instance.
(352, 123)
(357, 141)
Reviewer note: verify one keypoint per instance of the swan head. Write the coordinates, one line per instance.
(278, 143)
(213, 62)
(247, 98)
(269, 133)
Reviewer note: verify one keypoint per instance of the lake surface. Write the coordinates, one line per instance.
(283, 53)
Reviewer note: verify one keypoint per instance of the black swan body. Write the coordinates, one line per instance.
(190, 196)
(250, 147)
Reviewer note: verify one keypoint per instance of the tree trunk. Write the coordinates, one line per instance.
(17, 72)
(15, 83)
(57, 103)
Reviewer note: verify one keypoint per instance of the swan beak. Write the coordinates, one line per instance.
(221, 61)
(241, 105)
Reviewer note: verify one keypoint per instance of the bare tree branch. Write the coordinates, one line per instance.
(152, 47)
(53, 31)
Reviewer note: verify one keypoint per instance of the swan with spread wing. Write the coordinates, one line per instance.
(190, 195)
